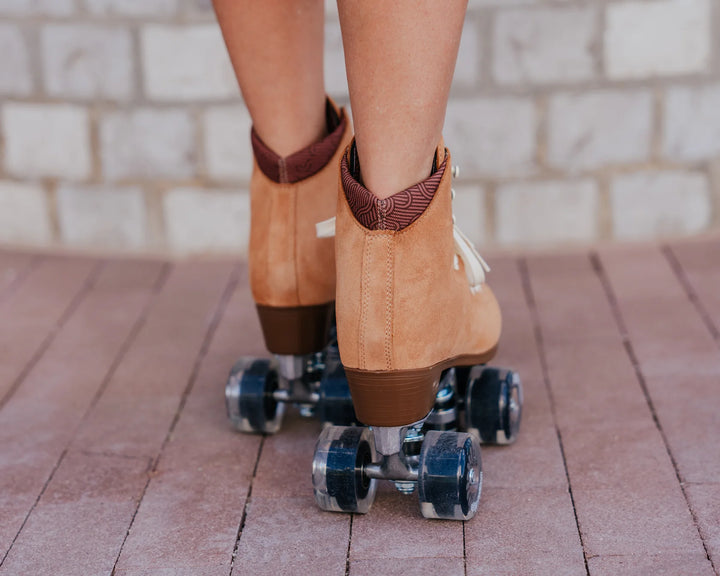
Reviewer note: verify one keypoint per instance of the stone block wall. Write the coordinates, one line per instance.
(122, 128)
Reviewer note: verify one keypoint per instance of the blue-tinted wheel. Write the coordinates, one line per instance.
(339, 482)
(335, 403)
(449, 475)
(493, 405)
(249, 399)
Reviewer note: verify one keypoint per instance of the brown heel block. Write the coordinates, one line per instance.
(401, 397)
(297, 330)
(397, 398)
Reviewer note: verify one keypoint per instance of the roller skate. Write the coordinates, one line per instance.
(416, 325)
(292, 276)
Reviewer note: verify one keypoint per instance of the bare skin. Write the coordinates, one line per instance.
(400, 57)
(276, 48)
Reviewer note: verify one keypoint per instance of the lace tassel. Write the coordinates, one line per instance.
(326, 228)
(475, 266)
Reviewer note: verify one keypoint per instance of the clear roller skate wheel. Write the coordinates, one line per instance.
(335, 405)
(249, 399)
(493, 405)
(339, 483)
(450, 475)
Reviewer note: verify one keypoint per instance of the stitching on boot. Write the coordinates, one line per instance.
(268, 245)
(283, 171)
(364, 299)
(382, 210)
(389, 304)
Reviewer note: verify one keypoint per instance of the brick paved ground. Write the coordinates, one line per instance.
(116, 457)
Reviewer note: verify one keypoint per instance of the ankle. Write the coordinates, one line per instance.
(386, 174)
(393, 212)
(292, 125)
(307, 161)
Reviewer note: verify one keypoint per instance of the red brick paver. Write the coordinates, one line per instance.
(624, 484)
(517, 535)
(40, 419)
(683, 384)
(188, 520)
(697, 265)
(111, 458)
(116, 456)
(32, 315)
(13, 269)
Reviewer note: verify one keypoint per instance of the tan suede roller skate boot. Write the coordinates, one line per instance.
(292, 277)
(412, 304)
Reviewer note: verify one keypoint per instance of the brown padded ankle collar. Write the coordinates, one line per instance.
(393, 213)
(306, 162)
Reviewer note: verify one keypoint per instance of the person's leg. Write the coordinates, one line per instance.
(400, 57)
(276, 49)
(403, 302)
(411, 300)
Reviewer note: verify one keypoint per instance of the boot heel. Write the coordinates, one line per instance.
(393, 398)
(295, 331)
